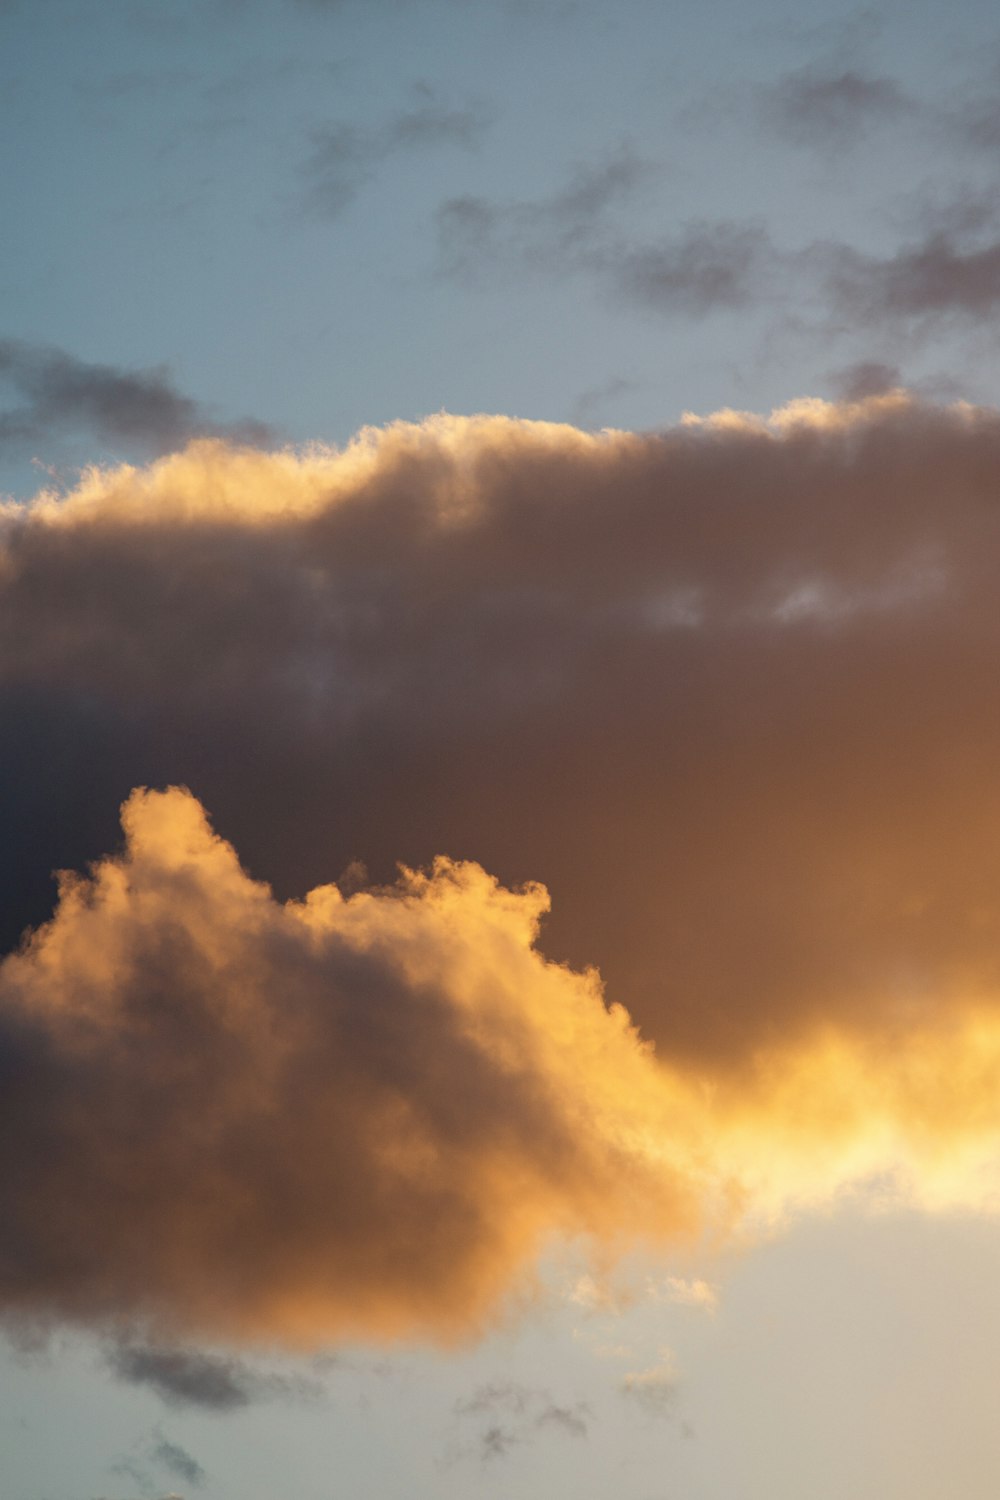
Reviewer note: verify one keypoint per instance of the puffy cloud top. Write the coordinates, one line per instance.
(727, 690)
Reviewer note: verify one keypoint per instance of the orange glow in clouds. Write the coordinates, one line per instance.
(728, 692)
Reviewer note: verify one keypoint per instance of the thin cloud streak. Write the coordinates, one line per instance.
(208, 1382)
(344, 158)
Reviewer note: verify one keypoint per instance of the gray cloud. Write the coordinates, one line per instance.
(566, 230)
(590, 406)
(343, 158)
(211, 1382)
(934, 278)
(178, 1461)
(140, 408)
(570, 1419)
(706, 268)
(866, 378)
(515, 1413)
(831, 107)
(653, 1391)
(693, 271)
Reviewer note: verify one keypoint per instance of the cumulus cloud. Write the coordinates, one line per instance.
(139, 408)
(727, 690)
(303, 1121)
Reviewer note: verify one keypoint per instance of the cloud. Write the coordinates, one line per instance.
(178, 1461)
(566, 230)
(344, 158)
(727, 690)
(709, 266)
(699, 268)
(933, 278)
(694, 1292)
(653, 1390)
(162, 1452)
(569, 1419)
(866, 378)
(213, 1382)
(514, 1414)
(831, 107)
(297, 1122)
(138, 408)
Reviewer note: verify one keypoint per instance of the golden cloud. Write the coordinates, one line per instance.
(728, 691)
(230, 1117)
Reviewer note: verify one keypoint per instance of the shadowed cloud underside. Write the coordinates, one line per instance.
(728, 690)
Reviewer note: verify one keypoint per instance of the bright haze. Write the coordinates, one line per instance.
(499, 887)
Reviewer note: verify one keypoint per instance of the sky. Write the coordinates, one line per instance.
(499, 932)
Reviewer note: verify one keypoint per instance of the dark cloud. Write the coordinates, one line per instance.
(356, 675)
(934, 278)
(178, 1461)
(590, 406)
(141, 409)
(833, 107)
(567, 230)
(706, 268)
(728, 690)
(344, 158)
(866, 378)
(978, 121)
(211, 1382)
(570, 1419)
(497, 1442)
(693, 271)
(496, 1396)
(512, 1414)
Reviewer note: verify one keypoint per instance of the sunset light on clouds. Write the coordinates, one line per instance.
(500, 890)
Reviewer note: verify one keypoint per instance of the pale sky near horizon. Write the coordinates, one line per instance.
(278, 222)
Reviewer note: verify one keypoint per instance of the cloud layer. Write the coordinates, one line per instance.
(728, 690)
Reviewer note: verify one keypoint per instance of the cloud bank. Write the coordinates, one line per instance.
(727, 690)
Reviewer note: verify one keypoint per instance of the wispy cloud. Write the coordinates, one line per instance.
(932, 279)
(707, 267)
(654, 1389)
(178, 1461)
(832, 107)
(159, 1452)
(565, 230)
(55, 393)
(510, 1415)
(692, 270)
(212, 1382)
(344, 157)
